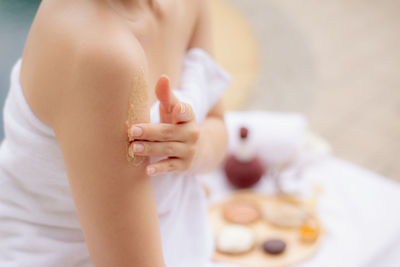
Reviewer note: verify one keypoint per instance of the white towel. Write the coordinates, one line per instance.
(38, 221)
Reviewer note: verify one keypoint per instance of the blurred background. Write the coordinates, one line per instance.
(337, 62)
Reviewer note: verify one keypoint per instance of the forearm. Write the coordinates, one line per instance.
(212, 144)
(213, 138)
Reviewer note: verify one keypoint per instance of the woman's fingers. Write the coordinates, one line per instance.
(163, 132)
(160, 149)
(163, 93)
(167, 98)
(155, 132)
(166, 165)
(182, 113)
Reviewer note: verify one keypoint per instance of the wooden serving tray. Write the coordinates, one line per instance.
(296, 250)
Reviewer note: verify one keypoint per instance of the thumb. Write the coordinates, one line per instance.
(165, 95)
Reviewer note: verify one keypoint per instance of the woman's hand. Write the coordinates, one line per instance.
(176, 137)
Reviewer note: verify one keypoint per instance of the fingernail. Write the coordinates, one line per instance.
(151, 170)
(135, 131)
(182, 110)
(138, 147)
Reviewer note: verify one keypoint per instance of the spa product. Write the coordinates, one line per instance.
(235, 239)
(309, 233)
(241, 212)
(285, 214)
(274, 246)
(243, 168)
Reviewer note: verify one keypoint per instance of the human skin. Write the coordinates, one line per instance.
(195, 152)
(79, 68)
(177, 137)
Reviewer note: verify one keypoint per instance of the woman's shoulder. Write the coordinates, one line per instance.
(63, 54)
(94, 33)
(105, 68)
(67, 33)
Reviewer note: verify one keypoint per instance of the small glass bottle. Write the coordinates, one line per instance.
(243, 168)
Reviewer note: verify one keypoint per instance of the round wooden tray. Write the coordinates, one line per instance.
(296, 250)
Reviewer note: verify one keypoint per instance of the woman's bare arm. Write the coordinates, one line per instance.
(104, 88)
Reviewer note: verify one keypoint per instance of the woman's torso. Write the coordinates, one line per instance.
(39, 225)
(38, 222)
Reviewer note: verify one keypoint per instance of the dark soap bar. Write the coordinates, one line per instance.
(274, 246)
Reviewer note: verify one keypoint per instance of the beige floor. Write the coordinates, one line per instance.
(339, 63)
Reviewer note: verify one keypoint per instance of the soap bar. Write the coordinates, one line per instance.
(274, 246)
(235, 239)
(285, 214)
(241, 213)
